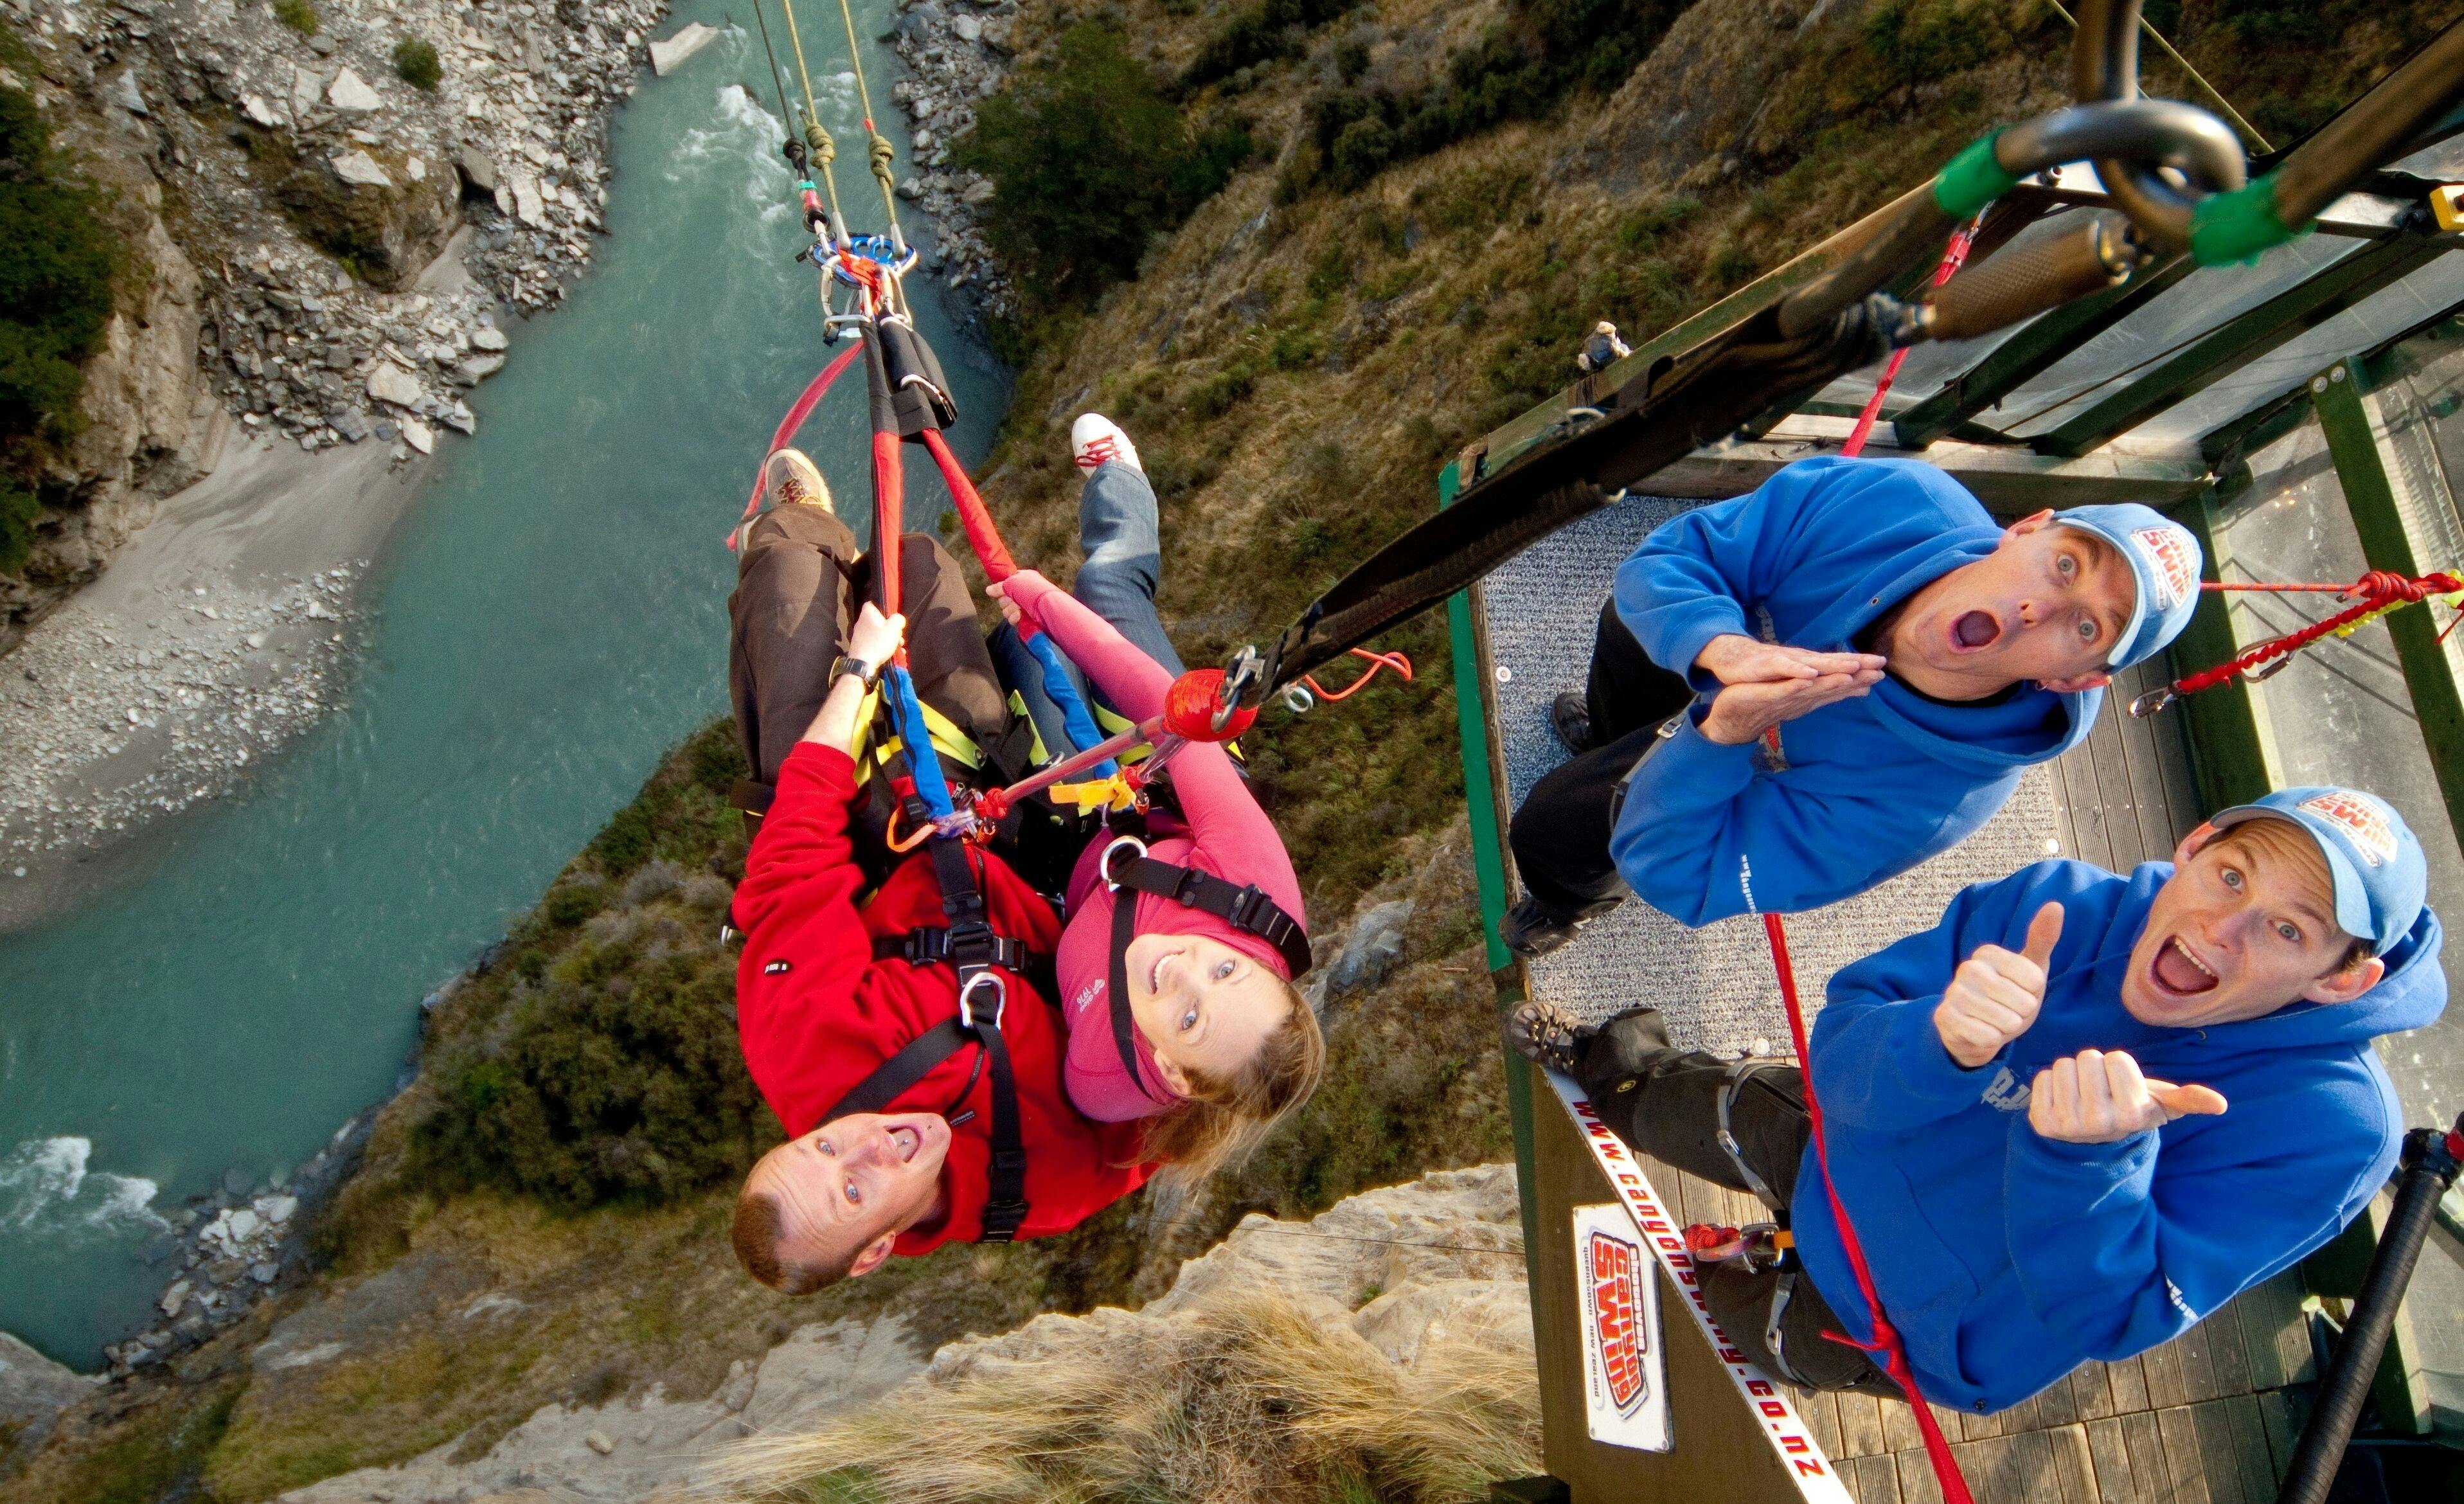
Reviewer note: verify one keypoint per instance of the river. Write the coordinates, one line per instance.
(548, 620)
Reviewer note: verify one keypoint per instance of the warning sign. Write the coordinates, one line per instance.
(1625, 1387)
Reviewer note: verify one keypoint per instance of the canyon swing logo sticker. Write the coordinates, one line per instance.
(2170, 549)
(1625, 1389)
(2362, 821)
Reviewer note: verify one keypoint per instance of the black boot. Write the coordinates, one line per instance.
(1570, 717)
(1532, 928)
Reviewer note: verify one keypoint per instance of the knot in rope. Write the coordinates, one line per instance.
(2373, 595)
(883, 155)
(825, 150)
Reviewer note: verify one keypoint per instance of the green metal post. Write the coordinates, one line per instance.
(2231, 754)
(1488, 868)
(2370, 494)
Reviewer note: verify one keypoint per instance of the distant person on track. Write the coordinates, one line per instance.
(2072, 1119)
(1910, 657)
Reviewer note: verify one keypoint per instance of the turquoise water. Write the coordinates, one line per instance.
(547, 621)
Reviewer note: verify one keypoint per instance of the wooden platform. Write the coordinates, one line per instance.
(2206, 1418)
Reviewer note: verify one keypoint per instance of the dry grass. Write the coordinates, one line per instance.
(1252, 1400)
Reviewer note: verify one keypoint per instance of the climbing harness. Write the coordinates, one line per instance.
(2178, 182)
(1246, 907)
(2373, 595)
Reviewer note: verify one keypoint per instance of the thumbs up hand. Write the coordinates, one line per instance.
(2100, 1096)
(1994, 995)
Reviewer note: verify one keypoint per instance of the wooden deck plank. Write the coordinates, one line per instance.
(2181, 1447)
(1900, 1431)
(2276, 1419)
(2092, 1392)
(2276, 1333)
(2251, 1455)
(2226, 1350)
(1821, 1413)
(2058, 1405)
(2164, 1369)
(2220, 1447)
(2180, 775)
(2109, 1450)
(2147, 1442)
(1878, 1480)
(2143, 757)
(2073, 1467)
(2129, 1380)
(1917, 1484)
(2121, 810)
(2084, 806)
(1861, 1426)
(2198, 1370)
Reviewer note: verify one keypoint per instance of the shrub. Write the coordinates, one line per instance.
(55, 302)
(1521, 70)
(1260, 33)
(1919, 41)
(1087, 160)
(298, 15)
(601, 1063)
(414, 57)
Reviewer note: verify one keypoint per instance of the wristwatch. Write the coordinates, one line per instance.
(863, 673)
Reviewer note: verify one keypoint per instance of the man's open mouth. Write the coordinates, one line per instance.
(1975, 630)
(907, 1141)
(2179, 972)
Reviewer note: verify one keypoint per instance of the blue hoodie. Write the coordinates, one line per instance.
(1864, 788)
(2007, 1259)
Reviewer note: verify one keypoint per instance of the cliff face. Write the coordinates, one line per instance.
(278, 188)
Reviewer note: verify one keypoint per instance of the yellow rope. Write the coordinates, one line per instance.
(881, 151)
(825, 150)
(2248, 130)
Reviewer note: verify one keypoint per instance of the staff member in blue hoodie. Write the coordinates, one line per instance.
(1912, 656)
(2030, 1185)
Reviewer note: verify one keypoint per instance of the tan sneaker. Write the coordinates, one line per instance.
(790, 479)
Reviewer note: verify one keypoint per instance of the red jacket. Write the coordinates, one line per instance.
(816, 1013)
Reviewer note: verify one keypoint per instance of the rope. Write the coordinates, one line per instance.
(881, 151)
(788, 426)
(2184, 63)
(1952, 256)
(1886, 1336)
(1377, 660)
(2373, 595)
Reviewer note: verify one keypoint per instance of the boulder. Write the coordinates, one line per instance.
(478, 169)
(360, 168)
(259, 113)
(391, 383)
(980, 192)
(488, 337)
(307, 87)
(968, 27)
(351, 94)
(668, 54)
(478, 368)
(419, 435)
(122, 92)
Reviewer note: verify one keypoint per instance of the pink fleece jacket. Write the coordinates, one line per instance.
(1224, 834)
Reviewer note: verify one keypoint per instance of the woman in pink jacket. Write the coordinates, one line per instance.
(1223, 1044)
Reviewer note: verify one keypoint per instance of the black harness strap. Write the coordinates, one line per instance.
(1244, 906)
(969, 944)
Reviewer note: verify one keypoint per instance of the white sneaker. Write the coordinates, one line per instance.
(790, 479)
(1096, 439)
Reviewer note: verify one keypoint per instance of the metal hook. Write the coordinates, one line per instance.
(967, 993)
(1296, 698)
(2268, 669)
(2154, 700)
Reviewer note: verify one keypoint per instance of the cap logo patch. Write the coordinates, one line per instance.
(2361, 822)
(2170, 550)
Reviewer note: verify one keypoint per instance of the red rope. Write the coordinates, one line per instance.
(788, 426)
(1953, 254)
(1886, 1336)
(2374, 593)
(1377, 660)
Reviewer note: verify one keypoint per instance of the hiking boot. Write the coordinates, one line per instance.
(790, 479)
(1570, 716)
(1095, 440)
(1550, 1034)
(1532, 929)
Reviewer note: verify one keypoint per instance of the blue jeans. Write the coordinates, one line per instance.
(1118, 530)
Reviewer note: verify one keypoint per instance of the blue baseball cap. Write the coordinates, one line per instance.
(2379, 875)
(2163, 558)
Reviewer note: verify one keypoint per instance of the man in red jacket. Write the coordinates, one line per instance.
(819, 1007)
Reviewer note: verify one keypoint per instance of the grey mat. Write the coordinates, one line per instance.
(1716, 982)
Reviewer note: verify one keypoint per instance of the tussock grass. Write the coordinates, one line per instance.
(1253, 1399)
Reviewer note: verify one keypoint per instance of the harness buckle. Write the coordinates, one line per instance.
(967, 990)
(1104, 865)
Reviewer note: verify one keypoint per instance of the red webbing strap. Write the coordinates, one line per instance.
(973, 514)
(1953, 254)
(788, 426)
(1886, 1336)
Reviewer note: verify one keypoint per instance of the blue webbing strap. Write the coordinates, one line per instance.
(907, 713)
(1063, 695)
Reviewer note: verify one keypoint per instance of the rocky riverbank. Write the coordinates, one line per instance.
(957, 55)
(281, 183)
